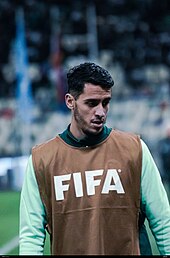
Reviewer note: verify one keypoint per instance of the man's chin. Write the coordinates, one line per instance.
(94, 131)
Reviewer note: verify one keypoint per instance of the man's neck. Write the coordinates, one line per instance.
(90, 140)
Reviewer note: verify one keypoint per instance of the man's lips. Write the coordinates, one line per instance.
(97, 123)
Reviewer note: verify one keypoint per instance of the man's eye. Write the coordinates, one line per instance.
(105, 103)
(91, 104)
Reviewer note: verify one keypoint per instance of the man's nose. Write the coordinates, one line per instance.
(100, 111)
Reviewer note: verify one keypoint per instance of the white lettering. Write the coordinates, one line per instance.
(90, 182)
(59, 187)
(78, 184)
(118, 187)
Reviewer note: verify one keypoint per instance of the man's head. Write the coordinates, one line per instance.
(88, 97)
(87, 73)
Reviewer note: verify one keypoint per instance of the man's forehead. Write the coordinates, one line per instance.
(95, 89)
(98, 98)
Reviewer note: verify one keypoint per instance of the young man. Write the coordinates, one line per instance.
(91, 186)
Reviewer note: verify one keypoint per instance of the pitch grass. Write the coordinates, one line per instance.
(9, 218)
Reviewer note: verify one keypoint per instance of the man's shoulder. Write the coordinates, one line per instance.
(48, 144)
(125, 134)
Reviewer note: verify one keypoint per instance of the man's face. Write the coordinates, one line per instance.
(90, 110)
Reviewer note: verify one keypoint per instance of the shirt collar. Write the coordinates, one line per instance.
(69, 138)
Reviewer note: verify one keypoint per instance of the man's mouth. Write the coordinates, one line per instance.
(97, 123)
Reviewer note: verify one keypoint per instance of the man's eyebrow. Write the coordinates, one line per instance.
(91, 100)
(108, 98)
(86, 101)
(96, 99)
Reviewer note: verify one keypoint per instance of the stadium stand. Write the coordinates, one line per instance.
(130, 38)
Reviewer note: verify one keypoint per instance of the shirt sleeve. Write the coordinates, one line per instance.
(155, 201)
(32, 231)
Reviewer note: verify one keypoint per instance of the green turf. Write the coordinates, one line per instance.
(8, 216)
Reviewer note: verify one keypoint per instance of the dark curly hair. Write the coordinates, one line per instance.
(87, 72)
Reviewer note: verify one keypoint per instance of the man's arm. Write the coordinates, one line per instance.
(155, 202)
(32, 216)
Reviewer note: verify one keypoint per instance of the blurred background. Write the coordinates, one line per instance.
(39, 41)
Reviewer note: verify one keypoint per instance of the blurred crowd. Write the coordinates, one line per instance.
(130, 38)
(135, 33)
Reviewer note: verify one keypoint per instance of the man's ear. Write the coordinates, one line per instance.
(69, 100)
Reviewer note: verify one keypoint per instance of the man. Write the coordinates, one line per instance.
(91, 186)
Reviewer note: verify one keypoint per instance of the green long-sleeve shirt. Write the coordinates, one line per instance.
(154, 202)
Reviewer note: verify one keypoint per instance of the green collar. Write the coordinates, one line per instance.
(87, 141)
